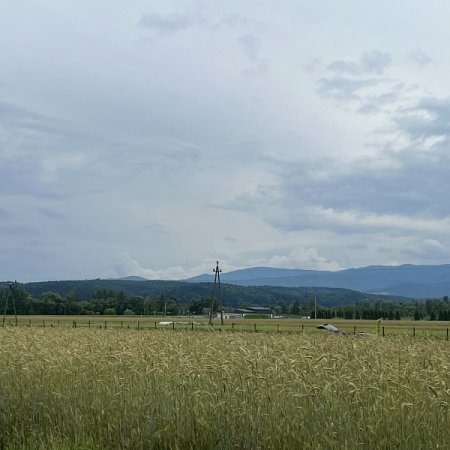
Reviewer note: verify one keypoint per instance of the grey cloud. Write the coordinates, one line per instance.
(357, 246)
(20, 177)
(394, 194)
(20, 119)
(430, 117)
(416, 184)
(424, 247)
(385, 250)
(17, 229)
(50, 213)
(251, 46)
(41, 156)
(344, 89)
(374, 103)
(169, 23)
(372, 62)
(350, 83)
(156, 228)
(5, 214)
(419, 57)
(237, 21)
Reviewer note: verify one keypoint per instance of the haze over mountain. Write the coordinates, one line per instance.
(405, 280)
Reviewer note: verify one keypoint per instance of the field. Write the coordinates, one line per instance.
(410, 328)
(81, 388)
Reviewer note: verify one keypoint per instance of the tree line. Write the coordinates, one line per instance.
(117, 302)
(431, 309)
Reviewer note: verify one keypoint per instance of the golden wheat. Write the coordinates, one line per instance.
(128, 389)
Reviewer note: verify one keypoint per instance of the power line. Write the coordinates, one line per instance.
(10, 293)
(217, 272)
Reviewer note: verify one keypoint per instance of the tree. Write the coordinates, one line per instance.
(295, 308)
(197, 305)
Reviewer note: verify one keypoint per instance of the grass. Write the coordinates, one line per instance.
(78, 388)
(391, 327)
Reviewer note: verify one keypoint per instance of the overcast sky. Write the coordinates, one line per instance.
(153, 138)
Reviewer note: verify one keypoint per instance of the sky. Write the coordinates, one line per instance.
(153, 138)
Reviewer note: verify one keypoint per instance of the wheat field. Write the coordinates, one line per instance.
(129, 389)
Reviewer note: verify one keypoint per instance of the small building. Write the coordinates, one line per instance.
(260, 310)
(230, 316)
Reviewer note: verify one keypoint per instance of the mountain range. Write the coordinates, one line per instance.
(414, 281)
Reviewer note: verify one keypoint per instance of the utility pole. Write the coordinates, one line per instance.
(9, 294)
(217, 272)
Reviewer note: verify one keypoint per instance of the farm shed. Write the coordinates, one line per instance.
(255, 310)
(230, 316)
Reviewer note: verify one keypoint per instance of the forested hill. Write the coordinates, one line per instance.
(184, 292)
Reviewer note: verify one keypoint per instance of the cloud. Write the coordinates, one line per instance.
(169, 23)
(419, 57)
(251, 46)
(423, 248)
(428, 118)
(239, 22)
(5, 214)
(344, 89)
(405, 182)
(50, 213)
(361, 83)
(374, 103)
(372, 62)
(37, 152)
(299, 256)
(126, 265)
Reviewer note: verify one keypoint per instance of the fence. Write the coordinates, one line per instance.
(426, 330)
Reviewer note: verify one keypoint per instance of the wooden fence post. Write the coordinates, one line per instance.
(383, 331)
(254, 326)
(105, 324)
(192, 326)
(138, 325)
(414, 332)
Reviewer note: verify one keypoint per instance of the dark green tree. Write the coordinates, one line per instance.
(295, 308)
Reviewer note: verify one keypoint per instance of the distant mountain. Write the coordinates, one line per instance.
(405, 280)
(132, 278)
